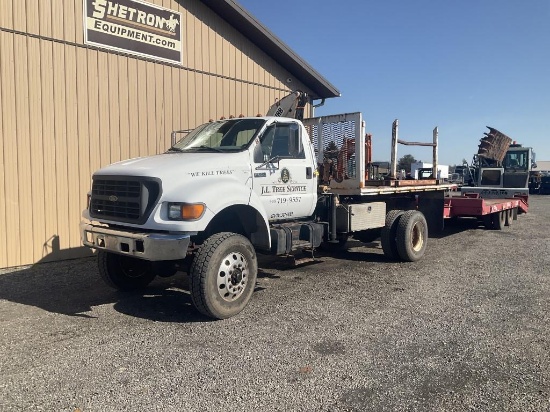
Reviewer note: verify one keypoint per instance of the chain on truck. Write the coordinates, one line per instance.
(230, 189)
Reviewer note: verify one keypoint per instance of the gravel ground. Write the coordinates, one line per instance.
(466, 328)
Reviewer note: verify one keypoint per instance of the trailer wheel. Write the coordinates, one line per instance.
(412, 235)
(499, 220)
(223, 275)
(124, 272)
(488, 221)
(509, 217)
(389, 233)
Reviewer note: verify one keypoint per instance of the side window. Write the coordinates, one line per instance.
(282, 140)
(295, 145)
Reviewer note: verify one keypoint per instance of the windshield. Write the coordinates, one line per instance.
(221, 136)
(517, 160)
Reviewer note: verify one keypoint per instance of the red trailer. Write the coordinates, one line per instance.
(495, 213)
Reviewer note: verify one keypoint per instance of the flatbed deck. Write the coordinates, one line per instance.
(389, 190)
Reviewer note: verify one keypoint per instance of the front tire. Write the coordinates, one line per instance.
(223, 275)
(124, 272)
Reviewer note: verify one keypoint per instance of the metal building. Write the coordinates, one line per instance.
(85, 83)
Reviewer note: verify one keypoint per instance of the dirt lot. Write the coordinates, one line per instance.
(466, 328)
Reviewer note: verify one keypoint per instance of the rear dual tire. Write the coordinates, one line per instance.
(412, 236)
(405, 235)
(388, 234)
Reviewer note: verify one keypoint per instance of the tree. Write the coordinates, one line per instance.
(405, 163)
(331, 147)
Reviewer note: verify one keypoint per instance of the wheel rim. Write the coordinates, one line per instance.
(232, 276)
(417, 238)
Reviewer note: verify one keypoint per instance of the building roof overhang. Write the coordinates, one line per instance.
(261, 36)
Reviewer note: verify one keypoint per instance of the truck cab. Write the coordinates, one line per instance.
(252, 170)
(220, 189)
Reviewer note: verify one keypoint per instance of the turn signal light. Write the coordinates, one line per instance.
(185, 211)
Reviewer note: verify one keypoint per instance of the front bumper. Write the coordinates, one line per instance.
(147, 246)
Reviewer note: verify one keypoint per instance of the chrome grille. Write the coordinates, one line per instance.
(121, 188)
(125, 200)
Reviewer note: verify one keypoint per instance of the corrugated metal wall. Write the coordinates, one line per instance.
(68, 109)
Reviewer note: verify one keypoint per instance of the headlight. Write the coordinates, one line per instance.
(185, 211)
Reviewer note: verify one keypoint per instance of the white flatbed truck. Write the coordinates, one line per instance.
(232, 188)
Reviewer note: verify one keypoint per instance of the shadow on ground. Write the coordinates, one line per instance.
(73, 288)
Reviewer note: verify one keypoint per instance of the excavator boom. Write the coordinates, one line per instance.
(290, 106)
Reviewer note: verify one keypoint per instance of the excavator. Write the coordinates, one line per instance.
(500, 162)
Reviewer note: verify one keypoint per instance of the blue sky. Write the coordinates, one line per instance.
(459, 65)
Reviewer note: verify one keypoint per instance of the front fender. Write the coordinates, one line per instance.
(218, 197)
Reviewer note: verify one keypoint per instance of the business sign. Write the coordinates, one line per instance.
(135, 27)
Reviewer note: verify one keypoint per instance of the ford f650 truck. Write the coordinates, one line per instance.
(237, 187)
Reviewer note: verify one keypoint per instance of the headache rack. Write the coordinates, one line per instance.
(343, 151)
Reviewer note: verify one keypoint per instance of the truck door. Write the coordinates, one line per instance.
(283, 175)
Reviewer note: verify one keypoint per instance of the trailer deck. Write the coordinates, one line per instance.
(474, 206)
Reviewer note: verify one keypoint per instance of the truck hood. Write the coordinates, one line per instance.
(169, 165)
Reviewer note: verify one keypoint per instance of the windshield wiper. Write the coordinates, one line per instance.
(204, 147)
(175, 149)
